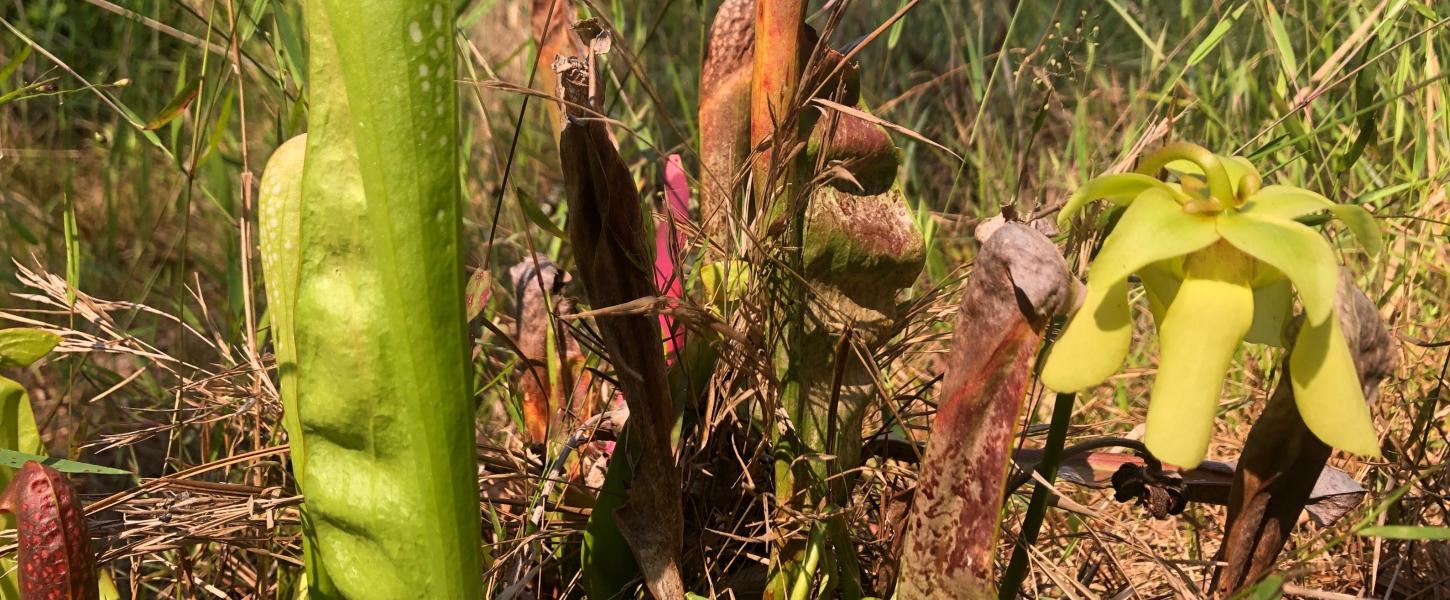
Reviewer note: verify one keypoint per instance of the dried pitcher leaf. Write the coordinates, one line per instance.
(1019, 281)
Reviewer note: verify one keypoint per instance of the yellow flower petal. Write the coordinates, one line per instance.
(1361, 224)
(1327, 389)
(1095, 342)
(1160, 282)
(1285, 202)
(1153, 228)
(1288, 202)
(1120, 189)
(1273, 305)
(1237, 168)
(1293, 248)
(1203, 327)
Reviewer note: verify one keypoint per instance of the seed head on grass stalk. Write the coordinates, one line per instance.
(1221, 258)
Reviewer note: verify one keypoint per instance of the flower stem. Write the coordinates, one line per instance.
(1219, 185)
(1037, 508)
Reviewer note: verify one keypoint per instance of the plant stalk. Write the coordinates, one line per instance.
(1037, 508)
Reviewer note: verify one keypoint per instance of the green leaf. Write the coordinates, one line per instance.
(288, 19)
(536, 215)
(9, 575)
(1361, 224)
(15, 459)
(605, 559)
(1406, 532)
(17, 423)
(477, 293)
(174, 108)
(1132, 23)
(723, 282)
(384, 380)
(279, 205)
(279, 219)
(17, 430)
(894, 35)
(71, 232)
(1200, 333)
(1120, 189)
(107, 587)
(1295, 249)
(15, 62)
(1095, 342)
(1281, 42)
(1153, 228)
(1210, 42)
(1327, 390)
(1271, 588)
(21, 346)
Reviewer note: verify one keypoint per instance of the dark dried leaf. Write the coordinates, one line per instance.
(605, 230)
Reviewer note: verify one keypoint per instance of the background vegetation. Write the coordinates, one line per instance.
(132, 133)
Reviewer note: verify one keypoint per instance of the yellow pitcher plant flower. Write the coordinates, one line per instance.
(1221, 259)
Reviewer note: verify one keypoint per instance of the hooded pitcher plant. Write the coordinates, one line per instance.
(1221, 258)
(362, 263)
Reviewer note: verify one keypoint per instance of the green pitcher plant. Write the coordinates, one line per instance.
(361, 252)
(1221, 258)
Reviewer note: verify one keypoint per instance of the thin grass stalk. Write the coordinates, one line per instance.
(1037, 508)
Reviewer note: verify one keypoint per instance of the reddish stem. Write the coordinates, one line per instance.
(776, 75)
